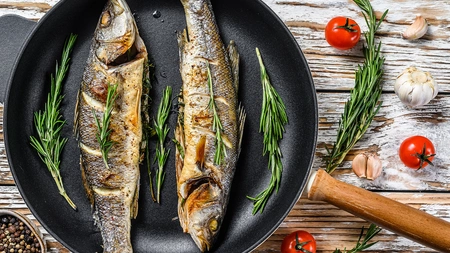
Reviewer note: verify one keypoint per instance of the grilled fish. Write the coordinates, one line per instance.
(117, 57)
(203, 186)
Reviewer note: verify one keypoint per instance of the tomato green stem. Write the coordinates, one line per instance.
(347, 27)
(423, 157)
(299, 245)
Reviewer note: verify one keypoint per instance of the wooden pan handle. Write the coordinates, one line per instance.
(399, 218)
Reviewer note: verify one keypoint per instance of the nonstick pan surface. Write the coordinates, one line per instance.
(251, 24)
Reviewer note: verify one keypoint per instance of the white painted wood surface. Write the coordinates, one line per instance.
(333, 74)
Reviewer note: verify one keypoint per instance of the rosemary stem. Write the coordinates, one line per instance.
(364, 102)
(49, 122)
(272, 121)
(217, 127)
(149, 170)
(162, 130)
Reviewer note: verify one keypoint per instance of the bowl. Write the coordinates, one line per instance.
(19, 233)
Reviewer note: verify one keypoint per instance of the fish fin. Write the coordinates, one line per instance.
(200, 151)
(179, 151)
(145, 105)
(233, 55)
(134, 203)
(76, 115)
(182, 38)
(182, 214)
(242, 116)
(87, 187)
(179, 137)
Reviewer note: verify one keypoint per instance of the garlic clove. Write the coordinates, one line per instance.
(359, 165)
(417, 29)
(420, 96)
(404, 93)
(367, 166)
(374, 167)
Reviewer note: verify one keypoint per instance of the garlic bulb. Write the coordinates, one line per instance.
(417, 29)
(367, 165)
(415, 87)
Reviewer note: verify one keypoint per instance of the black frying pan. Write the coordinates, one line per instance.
(251, 24)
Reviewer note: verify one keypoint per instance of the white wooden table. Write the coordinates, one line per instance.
(333, 73)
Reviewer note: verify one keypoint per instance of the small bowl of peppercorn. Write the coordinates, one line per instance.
(18, 234)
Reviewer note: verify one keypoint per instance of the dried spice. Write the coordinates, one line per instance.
(17, 237)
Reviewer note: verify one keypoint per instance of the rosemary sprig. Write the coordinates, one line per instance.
(148, 131)
(360, 246)
(272, 122)
(49, 123)
(103, 130)
(161, 130)
(363, 103)
(221, 150)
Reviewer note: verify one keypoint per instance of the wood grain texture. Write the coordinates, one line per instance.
(372, 207)
(333, 69)
(31, 9)
(394, 123)
(333, 228)
(333, 74)
(330, 226)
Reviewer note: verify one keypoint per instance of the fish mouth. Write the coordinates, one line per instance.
(201, 242)
(205, 231)
(200, 208)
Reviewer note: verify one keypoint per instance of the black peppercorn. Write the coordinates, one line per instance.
(15, 236)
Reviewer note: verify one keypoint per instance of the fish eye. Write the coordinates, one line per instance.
(105, 20)
(213, 225)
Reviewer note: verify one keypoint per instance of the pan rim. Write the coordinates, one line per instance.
(316, 120)
(269, 12)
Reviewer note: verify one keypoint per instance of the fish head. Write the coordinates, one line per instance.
(205, 214)
(116, 31)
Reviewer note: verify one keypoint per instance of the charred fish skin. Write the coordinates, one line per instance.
(117, 56)
(203, 186)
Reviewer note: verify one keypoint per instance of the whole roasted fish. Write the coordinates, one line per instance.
(203, 182)
(118, 58)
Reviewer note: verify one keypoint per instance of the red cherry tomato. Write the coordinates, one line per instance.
(299, 242)
(417, 152)
(342, 33)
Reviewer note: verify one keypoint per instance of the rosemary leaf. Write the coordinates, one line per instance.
(272, 122)
(360, 246)
(103, 130)
(221, 150)
(49, 143)
(162, 130)
(364, 101)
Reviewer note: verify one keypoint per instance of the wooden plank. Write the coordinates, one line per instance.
(393, 123)
(333, 228)
(333, 69)
(330, 226)
(39, 7)
(31, 9)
